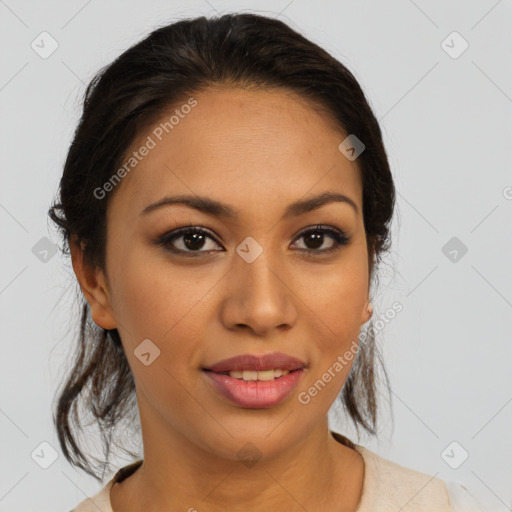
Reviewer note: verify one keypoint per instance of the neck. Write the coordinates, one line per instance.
(177, 474)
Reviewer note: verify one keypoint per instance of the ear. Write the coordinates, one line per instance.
(368, 308)
(367, 313)
(94, 287)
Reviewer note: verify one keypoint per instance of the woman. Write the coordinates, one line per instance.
(226, 200)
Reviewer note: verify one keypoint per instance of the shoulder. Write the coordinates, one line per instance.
(461, 499)
(389, 486)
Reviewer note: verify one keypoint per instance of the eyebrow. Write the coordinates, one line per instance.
(219, 209)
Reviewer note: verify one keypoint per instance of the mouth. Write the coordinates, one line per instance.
(255, 382)
(252, 393)
(253, 375)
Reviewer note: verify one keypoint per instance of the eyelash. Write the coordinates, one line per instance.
(337, 235)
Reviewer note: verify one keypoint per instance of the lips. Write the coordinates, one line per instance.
(249, 362)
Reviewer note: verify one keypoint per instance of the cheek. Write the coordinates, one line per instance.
(324, 383)
(169, 304)
(154, 302)
(335, 329)
(338, 296)
(149, 290)
(336, 299)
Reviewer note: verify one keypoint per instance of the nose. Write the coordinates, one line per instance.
(259, 296)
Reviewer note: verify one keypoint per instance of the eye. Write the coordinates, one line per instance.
(189, 240)
(193, 240)
(315, 238)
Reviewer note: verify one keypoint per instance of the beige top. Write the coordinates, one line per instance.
(387, 487)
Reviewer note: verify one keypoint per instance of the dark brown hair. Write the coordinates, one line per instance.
(172, 63)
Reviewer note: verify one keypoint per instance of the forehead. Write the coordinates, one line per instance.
(238, 145)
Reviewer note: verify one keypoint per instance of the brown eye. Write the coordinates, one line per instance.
(194, 241)
(188, 240)
(315, 237)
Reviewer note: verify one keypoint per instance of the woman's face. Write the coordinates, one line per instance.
(252, 283)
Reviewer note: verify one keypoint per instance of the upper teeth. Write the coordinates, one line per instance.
(253, 375)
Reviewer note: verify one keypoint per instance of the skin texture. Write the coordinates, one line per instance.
(257, 151)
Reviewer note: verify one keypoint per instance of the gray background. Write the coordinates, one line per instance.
(447, 124)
